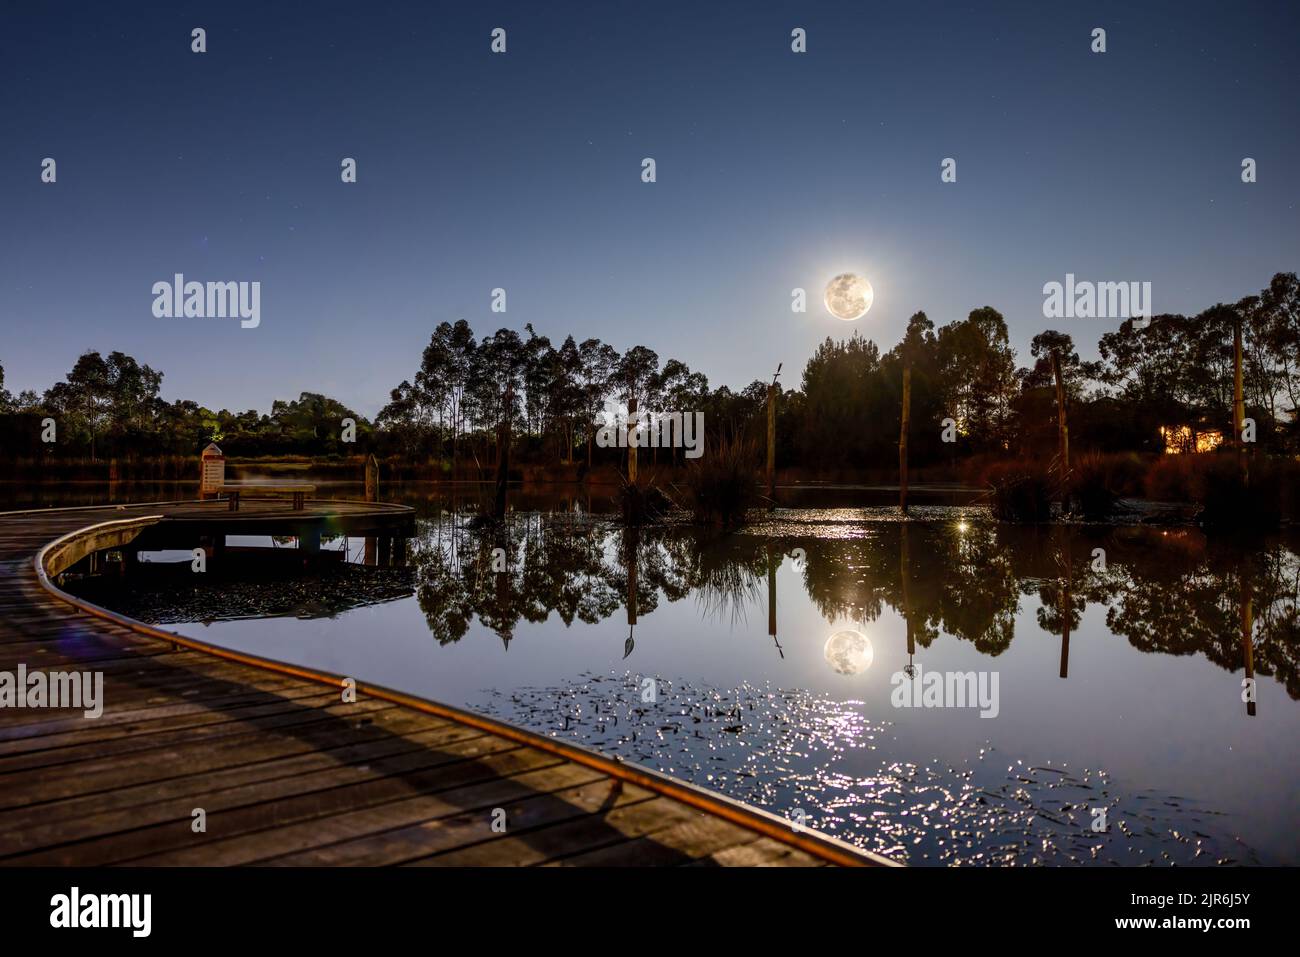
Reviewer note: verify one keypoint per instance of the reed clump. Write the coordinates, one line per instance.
(721, 487)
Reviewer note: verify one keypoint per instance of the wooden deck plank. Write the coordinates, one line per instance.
(763, 852)
(371, 807)
(257, 820)
(61, 817)
(309, 731)
(462, 816)
(624, 823)
(694, 837)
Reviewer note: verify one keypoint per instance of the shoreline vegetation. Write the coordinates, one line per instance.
(1198, 488)
(1199, 410)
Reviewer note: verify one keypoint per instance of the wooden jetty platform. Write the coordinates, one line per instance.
(285, 771)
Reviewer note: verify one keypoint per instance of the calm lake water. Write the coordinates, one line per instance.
(1112, 659)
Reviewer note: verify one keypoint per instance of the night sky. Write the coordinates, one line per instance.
(522, 171)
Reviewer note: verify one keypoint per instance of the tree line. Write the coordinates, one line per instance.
(1169, 371)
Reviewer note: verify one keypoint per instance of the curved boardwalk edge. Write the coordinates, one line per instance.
(572, 805)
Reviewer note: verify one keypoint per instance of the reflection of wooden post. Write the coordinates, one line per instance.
(372, 478)
(1066, 610)
(1062, 431)
(1238, 404)
(369, 557)
(772, 562)
(902, 439)
(904, 561)
(1247, 645)
(631, 448)
(631, 582)
(630, 541)
(771, 592)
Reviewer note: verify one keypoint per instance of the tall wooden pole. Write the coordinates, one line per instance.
(772, 394)
(1238, 403)
(631, 448)
(902, 439)
(372, 478)
(503, 452)
(771, 442)
(1062, 430)
(372, 495)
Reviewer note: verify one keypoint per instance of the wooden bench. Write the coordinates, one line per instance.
(265, 490)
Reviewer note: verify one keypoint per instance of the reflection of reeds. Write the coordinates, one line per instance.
(723, 585)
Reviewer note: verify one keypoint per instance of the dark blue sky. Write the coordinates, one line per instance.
(522, 171)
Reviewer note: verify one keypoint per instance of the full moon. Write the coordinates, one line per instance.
(848, 297)
(849, 652)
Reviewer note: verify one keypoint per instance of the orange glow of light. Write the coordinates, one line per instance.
(1181, 438)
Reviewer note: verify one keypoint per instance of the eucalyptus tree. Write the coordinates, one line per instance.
(1280, 304)
(979, 367)
(596, 364)
(565, 396)
(443, 377)
(538, 369)
(635, 373)
(683, 391)
(400, 417)
(118, 391)
(497, 371)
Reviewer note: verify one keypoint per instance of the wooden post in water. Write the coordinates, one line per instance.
(771, 438)
(372, 478)
(503, 452)
(1238, 404)
(771, 445)
(631, 448)
(372, 495)
(902, 438)
(1062, 431)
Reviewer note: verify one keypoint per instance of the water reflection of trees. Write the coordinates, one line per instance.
(571, 566)
(1164, 590)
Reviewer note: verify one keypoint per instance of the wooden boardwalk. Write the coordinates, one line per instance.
(287, 773)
